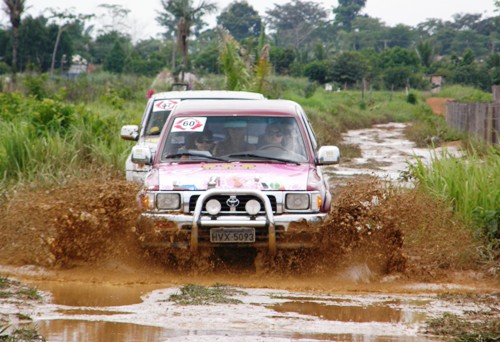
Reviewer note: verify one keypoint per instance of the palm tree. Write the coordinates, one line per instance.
(179, 16)
(14, 9)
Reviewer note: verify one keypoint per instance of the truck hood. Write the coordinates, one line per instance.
(231, 176)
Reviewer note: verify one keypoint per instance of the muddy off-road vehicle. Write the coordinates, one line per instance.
(234, 174)
(157, 110)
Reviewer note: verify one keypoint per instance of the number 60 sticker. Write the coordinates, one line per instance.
(191, 124)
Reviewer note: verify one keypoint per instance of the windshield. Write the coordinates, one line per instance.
(235, 138)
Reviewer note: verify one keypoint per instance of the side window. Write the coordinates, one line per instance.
(307, 124)
(159, 112)
(156, 121)
(147, 113)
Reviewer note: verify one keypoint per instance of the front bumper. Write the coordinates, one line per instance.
(273, 231)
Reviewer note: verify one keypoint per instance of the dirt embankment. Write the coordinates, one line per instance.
(438, 104)
(92, 223)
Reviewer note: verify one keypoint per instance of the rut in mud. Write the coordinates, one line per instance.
(92, 223)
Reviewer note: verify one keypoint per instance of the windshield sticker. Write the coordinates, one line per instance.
(191, 124)
(162, 105)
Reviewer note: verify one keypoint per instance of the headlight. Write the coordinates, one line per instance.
(168, 201)
(252, 207)
(297, 201)
(213, 207)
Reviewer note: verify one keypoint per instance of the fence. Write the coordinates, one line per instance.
(479, 119)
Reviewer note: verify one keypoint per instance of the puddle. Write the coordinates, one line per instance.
(385, 152)
(303, 299)
(358, 314)
(64, 330)
(96, 295)
(73, 330)
(90, 312)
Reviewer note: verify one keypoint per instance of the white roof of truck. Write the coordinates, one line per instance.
(208, 94)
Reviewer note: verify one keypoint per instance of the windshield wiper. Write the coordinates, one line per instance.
(190, 154)
(253, 155)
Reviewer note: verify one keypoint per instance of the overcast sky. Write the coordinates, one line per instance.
(142, 15)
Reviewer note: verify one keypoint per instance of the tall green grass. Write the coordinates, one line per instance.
(47, 142)
(471, 184)
(465, 94)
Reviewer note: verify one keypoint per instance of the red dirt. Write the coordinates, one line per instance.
(438, 104)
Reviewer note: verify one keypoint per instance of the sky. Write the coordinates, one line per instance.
(142, 23)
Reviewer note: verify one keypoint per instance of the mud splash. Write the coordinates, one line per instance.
(83, 223)
(372, 231)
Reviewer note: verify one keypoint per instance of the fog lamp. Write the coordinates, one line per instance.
(213, 207)
(252, 207)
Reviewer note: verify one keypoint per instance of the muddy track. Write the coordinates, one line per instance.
(378, 239)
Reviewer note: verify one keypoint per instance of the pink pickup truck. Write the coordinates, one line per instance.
(234, 173)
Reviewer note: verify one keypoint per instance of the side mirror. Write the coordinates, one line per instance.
(130, 132)
(141, 155)
(328, 155)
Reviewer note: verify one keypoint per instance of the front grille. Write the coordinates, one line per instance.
(240, 208)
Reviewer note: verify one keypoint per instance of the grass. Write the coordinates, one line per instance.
(471, 186)
(15, 291)
(480, 325)
(465, 94)
(194, 294)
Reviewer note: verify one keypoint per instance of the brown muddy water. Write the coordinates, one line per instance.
(117, 307)
(384, 256)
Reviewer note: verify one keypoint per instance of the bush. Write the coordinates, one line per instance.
(35, 86)
(411, 98)
(316, 71)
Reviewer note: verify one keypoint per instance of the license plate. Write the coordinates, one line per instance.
(232, 235)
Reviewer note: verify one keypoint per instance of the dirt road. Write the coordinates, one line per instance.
(386, 264)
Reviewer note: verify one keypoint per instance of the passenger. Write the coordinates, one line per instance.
(204, 141)
(291, 138)
(273, 135)
(236, 139)
(198, 141)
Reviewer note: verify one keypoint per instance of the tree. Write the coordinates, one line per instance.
(366, 33)
(35, 44)
(400, 35)
(115, 60)
(234, 62)
(241, 20)
(14, 9)
(346, 12)
(399, 57)
(493, 64)
(426, 52)
(282, 58)
(64, 20)
(179, 16)
(316, 71)
(349, 67)
(293, 23)
(118, 15)
(103, 44)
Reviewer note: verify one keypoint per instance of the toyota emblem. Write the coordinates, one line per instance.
(232, 203)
